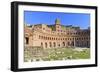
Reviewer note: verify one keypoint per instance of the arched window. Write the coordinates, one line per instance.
(56, 38)
(48, 38)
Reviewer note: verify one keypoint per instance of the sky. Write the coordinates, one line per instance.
(75, 19)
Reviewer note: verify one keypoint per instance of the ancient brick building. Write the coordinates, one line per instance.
(56, 35)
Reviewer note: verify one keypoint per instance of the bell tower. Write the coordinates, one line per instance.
(57, 24)
(57, 21)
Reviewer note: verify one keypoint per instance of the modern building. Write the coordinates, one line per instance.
(56, 36)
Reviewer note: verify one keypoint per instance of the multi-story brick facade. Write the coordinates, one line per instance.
(39, 37)
(56, 35)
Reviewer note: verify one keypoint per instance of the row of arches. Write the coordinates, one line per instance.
(65, 44)
(67, 39)
(62, 44)
(52, 44)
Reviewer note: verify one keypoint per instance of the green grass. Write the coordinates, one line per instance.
(68, 53)
(64, 54)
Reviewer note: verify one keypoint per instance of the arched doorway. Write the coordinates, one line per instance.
(63, 44)
(72, 44)
(50, 44)
(54, 44)
(46, 45)
(58, 45)
(41, 44)
(69, 44)
(27, 40)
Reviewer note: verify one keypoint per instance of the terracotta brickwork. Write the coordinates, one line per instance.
(56, 35)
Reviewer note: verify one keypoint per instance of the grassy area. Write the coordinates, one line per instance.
(64, 54)
(68, 53)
